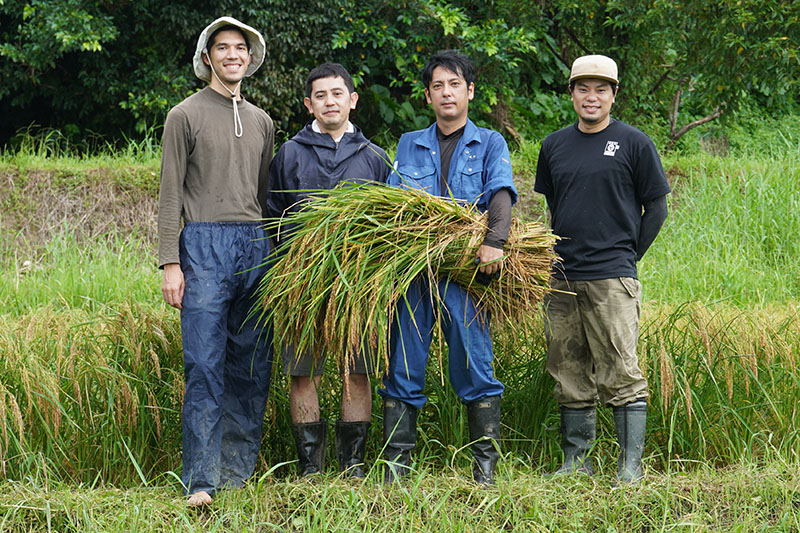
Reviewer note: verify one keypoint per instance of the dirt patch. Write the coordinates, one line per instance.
(37, 204)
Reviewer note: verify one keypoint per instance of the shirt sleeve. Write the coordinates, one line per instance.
(175, 147)
(394, 179)
(385, 167)
(498, 169)
(276, 198)
(651, 182)
(499, 219)
(543, 182)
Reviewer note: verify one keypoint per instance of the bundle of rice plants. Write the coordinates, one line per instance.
(356, 249)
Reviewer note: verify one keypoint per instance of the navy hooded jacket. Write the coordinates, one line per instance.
(312, 160)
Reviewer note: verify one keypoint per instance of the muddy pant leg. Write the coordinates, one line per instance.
(204, 332)
(248, 364)
(569, 359)
(610, 313)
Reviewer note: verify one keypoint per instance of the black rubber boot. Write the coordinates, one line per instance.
(630, 421)
(484, 432)
(351, 444)
(312, 440)
(577, 437)
(399, 437)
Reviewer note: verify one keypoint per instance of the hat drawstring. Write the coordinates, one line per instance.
(237, 119)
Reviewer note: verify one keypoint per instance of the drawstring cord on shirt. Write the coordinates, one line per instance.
(237, 120)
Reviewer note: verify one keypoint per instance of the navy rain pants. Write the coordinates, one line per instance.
(227, 360)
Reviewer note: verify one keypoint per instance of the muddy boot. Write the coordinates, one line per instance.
(577, 438)
(399, 437)
(311, 440)
(630, 421)
(484, 432)
(351, 443)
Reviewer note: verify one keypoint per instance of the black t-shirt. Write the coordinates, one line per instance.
(595, 185)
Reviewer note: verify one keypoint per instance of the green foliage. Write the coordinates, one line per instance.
(73, 64)
(114, 69)
(686, 60)
(107, 68)
(387, 46)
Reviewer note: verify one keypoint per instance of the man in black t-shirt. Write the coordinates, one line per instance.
(606, 192)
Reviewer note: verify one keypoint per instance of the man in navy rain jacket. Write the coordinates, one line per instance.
(324, 153)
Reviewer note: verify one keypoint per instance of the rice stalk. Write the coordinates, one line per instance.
(354, 251)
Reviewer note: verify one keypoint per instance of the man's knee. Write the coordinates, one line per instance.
(359, 384)
(303, 385)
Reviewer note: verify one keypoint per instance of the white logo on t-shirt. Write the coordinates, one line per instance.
(611, 148)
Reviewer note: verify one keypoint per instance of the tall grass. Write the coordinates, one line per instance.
(90, 357)
(84, 394)
(70, 273)
(88, 395)
(731, 234)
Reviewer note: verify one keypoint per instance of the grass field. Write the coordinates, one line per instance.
(91, 376)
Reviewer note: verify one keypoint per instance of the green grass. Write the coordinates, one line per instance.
(731, 234)
(741, 498)
(94, 393)
(91, 377)
(66, 273)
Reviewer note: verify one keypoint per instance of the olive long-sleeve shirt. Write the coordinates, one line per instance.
(207, 173)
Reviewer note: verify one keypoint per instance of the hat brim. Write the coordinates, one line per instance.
(256, 41)
(593, 76)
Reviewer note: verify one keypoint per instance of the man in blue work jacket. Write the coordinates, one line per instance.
(452, 158)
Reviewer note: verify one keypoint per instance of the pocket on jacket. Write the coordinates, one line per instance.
(418, 177)
(471, 182)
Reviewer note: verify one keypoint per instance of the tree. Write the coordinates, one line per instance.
(115, 67)
(388, 45)
(691, 58)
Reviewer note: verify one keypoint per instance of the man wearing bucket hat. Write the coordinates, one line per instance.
(606, 192)
(216, 152)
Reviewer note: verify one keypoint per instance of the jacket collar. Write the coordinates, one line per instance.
(428, 138)
(308, 136)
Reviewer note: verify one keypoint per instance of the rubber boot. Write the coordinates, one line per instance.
(399, 437)
(577, 438)
(630, 421)
(312, 440)
(484, 432)
(351, 443)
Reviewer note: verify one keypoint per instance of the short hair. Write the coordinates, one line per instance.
(453, 61)
(227, 27)
(573, 82)
(329, 70)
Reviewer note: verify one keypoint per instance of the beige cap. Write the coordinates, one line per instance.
(595, 66)
(254, 38)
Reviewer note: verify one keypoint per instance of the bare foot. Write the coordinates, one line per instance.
(199, 499)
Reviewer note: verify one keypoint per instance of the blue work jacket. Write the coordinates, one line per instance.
(480, 165)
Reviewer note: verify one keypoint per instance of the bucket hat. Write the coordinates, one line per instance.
(594, 66)
(254, 38)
